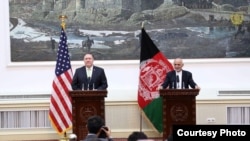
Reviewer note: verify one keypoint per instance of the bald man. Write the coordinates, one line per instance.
(178, 78)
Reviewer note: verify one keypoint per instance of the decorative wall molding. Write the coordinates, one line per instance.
(237, 93)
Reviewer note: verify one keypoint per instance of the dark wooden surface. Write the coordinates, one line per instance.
(179, 107)
(84, 105)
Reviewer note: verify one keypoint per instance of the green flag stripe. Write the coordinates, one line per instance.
(154, 113)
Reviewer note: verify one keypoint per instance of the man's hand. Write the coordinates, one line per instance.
(159, 88)
(197, 87)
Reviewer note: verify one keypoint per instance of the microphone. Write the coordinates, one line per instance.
(88, 81)
(83, 86)
(177, 81)
(89, 78)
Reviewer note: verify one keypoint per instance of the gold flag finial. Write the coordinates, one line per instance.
(63, 18)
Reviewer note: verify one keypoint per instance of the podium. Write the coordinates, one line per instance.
(179, 107)
(85, 104)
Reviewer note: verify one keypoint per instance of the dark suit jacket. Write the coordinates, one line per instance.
(98, 79)
(187, 80)
(93, 137)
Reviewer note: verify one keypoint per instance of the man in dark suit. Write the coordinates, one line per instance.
(178, 78)
(95, 125)
(89, 77)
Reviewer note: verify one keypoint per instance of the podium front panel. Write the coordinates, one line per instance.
(179, 108)
(84, 105)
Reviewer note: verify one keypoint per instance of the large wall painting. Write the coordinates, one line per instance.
(192, 29)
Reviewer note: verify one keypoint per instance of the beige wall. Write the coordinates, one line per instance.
(122, 117)
(217, 109)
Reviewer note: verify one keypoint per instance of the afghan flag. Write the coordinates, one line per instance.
(153, 69)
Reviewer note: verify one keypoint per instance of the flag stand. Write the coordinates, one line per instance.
(64, 138)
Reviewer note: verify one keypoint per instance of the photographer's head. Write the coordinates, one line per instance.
(94, 124)
(136, 135)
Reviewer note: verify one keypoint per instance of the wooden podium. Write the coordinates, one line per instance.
(179, 107)
(84, 105)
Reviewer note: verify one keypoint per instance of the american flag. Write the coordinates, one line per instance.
(60, 112)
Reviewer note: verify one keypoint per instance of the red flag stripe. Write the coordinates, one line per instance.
(57, 120)
(63, 86)
(62, 99)
(58, 110)
(54, 121)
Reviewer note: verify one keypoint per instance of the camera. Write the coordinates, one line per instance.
(103, 134)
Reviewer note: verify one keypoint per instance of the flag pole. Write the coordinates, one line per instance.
(140, 120)
(63, 25)
(142, 26)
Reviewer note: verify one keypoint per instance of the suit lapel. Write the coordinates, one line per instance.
(85, 74)
(184, 80)
(93, 73)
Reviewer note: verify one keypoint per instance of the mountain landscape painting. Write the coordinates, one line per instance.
(110, 29)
